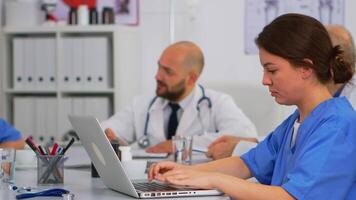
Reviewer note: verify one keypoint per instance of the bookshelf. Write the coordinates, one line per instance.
(49, 72)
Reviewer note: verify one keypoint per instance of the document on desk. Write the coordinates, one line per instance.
(141, 153)
(201, 143)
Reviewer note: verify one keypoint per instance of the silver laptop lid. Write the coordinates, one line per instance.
(102, 155)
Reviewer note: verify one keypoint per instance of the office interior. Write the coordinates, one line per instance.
(130, 54)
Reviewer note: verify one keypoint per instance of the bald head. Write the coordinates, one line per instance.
(179, 68)
(191, 55)
(340, 36)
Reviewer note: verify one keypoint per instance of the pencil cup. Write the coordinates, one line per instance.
(50, 169)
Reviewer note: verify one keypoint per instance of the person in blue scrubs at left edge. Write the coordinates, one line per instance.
(9, 136)
(311, 155)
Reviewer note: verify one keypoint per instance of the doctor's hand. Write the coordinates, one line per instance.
(110, 134)
(224, 146)
(163, 147)
(182, 175)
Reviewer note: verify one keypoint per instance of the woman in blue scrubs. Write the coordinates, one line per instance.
(9, 136)
(312, 154)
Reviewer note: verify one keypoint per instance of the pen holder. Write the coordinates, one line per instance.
(50, 169)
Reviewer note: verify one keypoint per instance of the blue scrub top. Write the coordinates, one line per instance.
(321, 164)
(8, 133)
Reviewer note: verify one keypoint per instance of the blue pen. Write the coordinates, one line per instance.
(199, 150)
(55, 192)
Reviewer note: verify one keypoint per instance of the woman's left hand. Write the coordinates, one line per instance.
(189, 177)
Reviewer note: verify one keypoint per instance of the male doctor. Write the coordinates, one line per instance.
(180, 107)
(226, 145)
(340, 36)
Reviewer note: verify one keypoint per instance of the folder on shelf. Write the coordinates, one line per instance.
(40, 118)
(49, 62)
(77, 63)
(78, 105)
(97, 106)
(51, 119)
(102, 44)
(18, 62)
(90, 61)
(96, 62)
(29, 63)
(39, 69)
(67, 79)
(24, 108)
(65, 109)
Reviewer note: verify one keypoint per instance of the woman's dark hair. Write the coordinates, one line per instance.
(301, 39)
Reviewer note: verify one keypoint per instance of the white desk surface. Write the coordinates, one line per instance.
(78, 182)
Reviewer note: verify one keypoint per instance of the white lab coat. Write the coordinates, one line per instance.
(224, 117)
(349, 91)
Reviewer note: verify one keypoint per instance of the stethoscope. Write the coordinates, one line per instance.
(144, 141)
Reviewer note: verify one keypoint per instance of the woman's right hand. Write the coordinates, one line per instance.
(158, 169)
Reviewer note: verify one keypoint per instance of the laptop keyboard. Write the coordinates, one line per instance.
(153, 187)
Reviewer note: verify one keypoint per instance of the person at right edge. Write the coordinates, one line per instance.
(311, 155)
(226, 145)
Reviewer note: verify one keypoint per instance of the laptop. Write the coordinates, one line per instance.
(111, 170)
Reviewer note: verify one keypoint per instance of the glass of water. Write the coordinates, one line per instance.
(7, 165)
(182, 149)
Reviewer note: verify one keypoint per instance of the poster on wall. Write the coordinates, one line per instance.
(259, 13)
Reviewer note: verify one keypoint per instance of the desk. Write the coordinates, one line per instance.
(80, 183)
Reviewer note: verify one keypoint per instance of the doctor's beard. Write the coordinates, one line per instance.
(173, 94)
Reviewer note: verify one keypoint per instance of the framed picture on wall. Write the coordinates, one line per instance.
(127, 12)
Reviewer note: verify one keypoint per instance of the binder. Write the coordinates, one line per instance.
(89, 62)
(18, 62)
(40, 118)
(97, 107)
(65, 109)
(24, 108)
(78, 105)
(29, 62)
(96, 62)
(49, 52)
(51, 119)
(77, 63)
(67, 78)
(39, 60)
(102, 45)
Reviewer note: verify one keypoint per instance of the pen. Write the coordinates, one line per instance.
(200, 150)
(54, 149)
(32, 145)
(68, 145)
(42, 150)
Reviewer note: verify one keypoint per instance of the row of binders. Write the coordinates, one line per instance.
(41, 118)
(83, 63)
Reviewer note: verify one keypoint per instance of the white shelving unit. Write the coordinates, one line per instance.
(124, 47)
